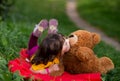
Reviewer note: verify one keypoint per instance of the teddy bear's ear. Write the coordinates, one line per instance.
(96, 38)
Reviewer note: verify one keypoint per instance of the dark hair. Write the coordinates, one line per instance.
(49, 48)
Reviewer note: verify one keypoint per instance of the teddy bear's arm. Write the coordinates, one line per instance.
(84, 54)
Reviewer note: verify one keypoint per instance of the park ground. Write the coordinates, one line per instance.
(16, 29)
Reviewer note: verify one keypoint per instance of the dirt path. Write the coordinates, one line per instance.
(75, 17)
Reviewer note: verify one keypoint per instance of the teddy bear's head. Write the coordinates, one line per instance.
(84, 38)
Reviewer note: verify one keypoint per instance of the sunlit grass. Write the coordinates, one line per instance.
(102, 14)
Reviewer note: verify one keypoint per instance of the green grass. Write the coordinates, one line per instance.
(15, 32)
(105, 50)
(102, 14)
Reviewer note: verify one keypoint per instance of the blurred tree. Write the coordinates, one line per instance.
(5, 7)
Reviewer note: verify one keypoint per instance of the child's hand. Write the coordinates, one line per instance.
(56, 70)
(39, 71)
(54, 67)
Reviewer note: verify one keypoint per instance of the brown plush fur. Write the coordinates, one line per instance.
(81, 57)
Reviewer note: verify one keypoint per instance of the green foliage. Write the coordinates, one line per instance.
(102, 14)
(11, 40)
(112, 75)
(111, 4)
(5, 74)
(5, 6)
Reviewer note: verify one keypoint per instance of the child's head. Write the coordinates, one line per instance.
(51, 46)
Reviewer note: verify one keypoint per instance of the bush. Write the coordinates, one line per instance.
(5, 6)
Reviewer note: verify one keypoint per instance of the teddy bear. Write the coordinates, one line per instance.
(81, 57)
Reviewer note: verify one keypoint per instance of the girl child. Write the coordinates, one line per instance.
(46, 57)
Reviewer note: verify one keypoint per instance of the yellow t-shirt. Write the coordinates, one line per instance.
(43, 66)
